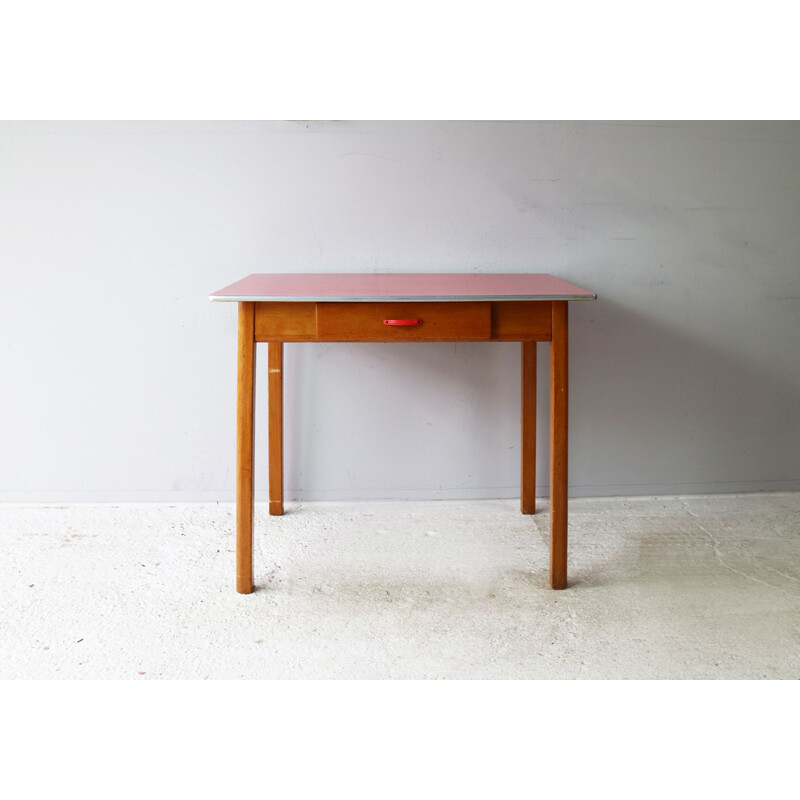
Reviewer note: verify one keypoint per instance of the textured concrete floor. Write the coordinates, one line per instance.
(668, 588)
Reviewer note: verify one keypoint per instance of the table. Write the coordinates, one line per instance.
(401, 307)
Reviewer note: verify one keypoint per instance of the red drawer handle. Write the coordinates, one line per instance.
(402, 322)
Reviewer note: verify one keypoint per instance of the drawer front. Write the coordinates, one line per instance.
(404, 322)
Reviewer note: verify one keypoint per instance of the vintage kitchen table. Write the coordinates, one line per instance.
(401, 307)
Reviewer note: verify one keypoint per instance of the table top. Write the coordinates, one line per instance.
(389, 286)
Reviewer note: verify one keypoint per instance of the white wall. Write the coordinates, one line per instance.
(118, 373)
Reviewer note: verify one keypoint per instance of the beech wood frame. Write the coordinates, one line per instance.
(525, 321)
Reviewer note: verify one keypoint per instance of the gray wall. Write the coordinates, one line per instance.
(118, 373)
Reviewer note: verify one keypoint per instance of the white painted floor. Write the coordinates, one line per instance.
(696, 587)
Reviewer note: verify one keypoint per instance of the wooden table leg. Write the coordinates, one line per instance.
(528, 443)
(558, 446)
(245, 389)
(275, 426)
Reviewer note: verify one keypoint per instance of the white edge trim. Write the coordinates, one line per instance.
(400, 299)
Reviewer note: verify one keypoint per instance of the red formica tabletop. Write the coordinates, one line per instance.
(420, 287)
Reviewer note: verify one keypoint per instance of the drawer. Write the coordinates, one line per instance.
(404, 322)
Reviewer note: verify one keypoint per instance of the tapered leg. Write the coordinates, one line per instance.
(558, 446)
(245, 388)
(528, 444)
(275, 407)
